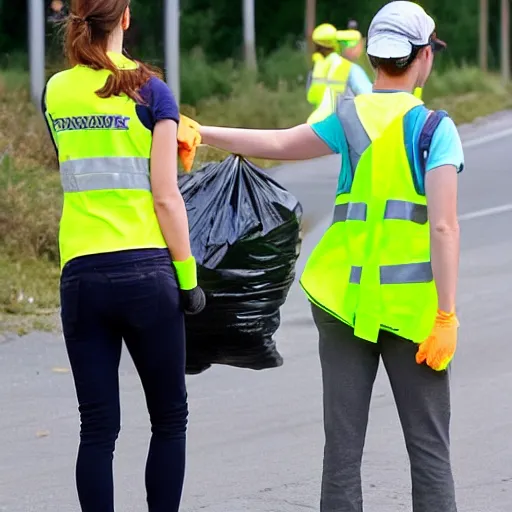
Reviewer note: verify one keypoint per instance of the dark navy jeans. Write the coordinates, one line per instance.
(131, 296)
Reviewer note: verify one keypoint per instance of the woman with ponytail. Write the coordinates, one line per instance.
(127, 268)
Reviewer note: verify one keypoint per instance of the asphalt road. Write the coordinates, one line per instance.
(255, 439)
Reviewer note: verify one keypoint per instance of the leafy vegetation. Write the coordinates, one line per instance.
(216, 26)
(221, 93)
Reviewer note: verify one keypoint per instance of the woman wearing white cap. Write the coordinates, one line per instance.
(382, 281)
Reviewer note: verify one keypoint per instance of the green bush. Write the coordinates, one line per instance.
(462, 80)
(23, 134)
(220, 94)
(202, 79)
(30, 204)
(216, 93)
(252, 105)
(285, 64)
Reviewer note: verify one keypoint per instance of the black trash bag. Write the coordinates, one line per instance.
(245, 235)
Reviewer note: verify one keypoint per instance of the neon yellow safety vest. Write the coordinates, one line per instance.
(372, 267)
(418, 92)
(320, 77)
(104, 152)
(336, 82)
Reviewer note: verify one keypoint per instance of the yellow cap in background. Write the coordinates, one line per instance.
(325, 35)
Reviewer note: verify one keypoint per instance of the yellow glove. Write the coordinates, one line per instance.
(438, 349)
(189, 138)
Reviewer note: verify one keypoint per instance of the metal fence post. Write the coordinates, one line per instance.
(36, 40)
(505, 40)
(249, 34)
(172, 46)
(484, 34)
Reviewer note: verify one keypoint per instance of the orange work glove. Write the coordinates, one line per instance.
(189, 139)
(438, 349)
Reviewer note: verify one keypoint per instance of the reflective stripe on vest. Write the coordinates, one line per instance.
(405, 210)
(327, 81)
(357, 138)
(349, 211)
(407, 273)
(395, 210)
(106, 173)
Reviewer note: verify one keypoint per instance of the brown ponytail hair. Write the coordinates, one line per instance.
(88, 29)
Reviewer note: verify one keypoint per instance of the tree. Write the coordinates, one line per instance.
(217, 27)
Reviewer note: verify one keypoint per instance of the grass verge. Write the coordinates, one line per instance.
(28, 295)
(30, 196)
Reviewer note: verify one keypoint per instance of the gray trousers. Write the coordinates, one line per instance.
(422, 396)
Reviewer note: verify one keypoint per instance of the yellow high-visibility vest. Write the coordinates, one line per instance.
(336, 85)
(320, 77)
(372, 267)
(104, 151)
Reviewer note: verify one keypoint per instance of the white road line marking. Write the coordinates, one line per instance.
(472, 143)
(504, 208)
(495, 210)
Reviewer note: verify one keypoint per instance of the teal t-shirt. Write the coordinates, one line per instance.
(445, 148)
(358, 80)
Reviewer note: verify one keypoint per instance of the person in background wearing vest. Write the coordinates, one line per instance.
(382, 281)
(325, 56)
(127, 268)
(342, 77)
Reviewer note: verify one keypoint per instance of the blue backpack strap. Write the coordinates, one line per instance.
(427, 133)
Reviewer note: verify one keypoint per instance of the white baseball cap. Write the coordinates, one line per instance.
(399, 27)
